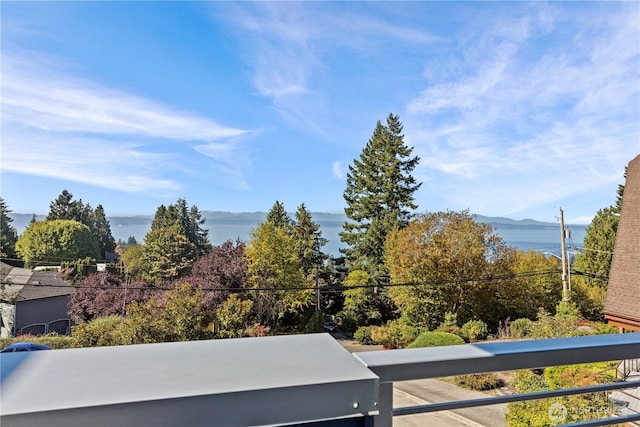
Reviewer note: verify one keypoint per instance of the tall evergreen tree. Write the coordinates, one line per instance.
(593, 264)
(308, 240)
(379, 196)
(278, 216)
(64, 207)
(188, 220)
(8, 233)
(101, 229)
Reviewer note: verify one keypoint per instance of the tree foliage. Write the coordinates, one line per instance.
(308, 240)
(532, 288)
(168, 253)
(175, 315)
(222, 270)
(57, 240)
(187, 221)
(364, 302)
(133, 262)
(379, 196)
(449, 256)
(64, 207)
(233, 316)
(8, 233)
(594, 263)
(278, 216)
(274, 267)
(102, 294)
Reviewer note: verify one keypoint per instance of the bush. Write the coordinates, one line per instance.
(475, 330)
(102, 331)
(314, 324)
(435, 339)
(450, 324)
(53, 340)
(479, 382)
(258, 330)
(348, 325)
(363, 336)
(520, 328)
(395, 334)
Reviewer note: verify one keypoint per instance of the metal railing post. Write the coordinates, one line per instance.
(385, 406)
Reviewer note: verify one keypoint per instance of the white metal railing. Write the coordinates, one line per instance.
(437, 362)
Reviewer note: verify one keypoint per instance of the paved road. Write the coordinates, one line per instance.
(410, 393)
(421, 392)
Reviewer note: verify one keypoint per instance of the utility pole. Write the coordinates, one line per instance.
(317, 253)
(563, 249)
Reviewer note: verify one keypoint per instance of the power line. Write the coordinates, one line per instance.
(442, 283)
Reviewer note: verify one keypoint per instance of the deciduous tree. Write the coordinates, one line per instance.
(217, 273)
(64, 207)
(364, 302)
(103, 294)
(448, 261)
(536, 285)
(133, 262)
(54, 241)
(274, 268)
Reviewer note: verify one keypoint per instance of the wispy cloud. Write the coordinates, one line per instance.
(61, 126)
(548, 107)
(287, 48)
(339, 170)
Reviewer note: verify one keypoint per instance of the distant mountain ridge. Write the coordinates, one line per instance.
(223, 226)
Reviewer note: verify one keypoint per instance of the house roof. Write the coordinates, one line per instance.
(623, 291)
(24, 284)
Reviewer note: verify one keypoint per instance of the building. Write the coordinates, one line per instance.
(33, 302)
(622, 304)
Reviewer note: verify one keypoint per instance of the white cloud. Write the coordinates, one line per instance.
(339, 170)
(60, 126)
(288, 48)
(548, 109)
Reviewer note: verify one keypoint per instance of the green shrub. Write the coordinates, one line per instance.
(395, 334)
(363, 336)
(314, 324)
(479, 382)
(450, 324)
(53, 340)
(348, 325)
(577, 408)
(520, 328)
(475, 330)
(102, 331)
(435, 339)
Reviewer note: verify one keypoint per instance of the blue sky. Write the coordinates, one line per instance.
(515, 109)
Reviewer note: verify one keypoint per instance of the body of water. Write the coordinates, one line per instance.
(223, 226)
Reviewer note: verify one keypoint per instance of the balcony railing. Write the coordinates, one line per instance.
(437, 362)
(289, 380)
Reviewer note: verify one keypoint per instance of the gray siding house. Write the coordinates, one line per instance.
(33, 302)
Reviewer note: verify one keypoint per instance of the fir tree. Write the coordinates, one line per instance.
(379, 196)
(188, 221)
(278, 216)
(8, 235)
(308, 240)
(101, 229)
